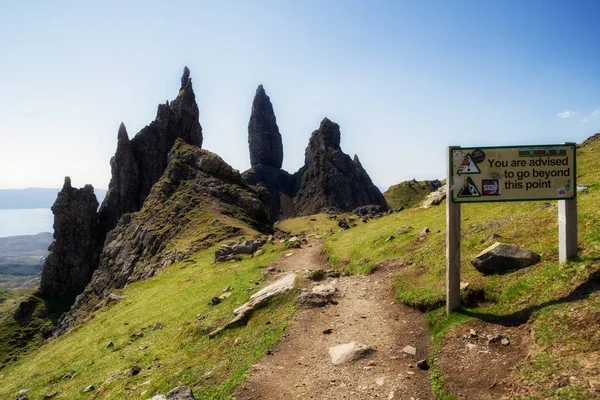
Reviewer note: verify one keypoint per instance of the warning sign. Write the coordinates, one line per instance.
(539, 172)
(468, 166)
(468, 189)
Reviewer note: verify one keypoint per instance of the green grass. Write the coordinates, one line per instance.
(179, 353)
(407, 194)
(543, 294)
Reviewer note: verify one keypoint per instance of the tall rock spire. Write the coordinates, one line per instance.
(75, 251)
(264, 138)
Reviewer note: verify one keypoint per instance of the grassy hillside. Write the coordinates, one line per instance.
(409, 193)
(160, 326)
(561, 302)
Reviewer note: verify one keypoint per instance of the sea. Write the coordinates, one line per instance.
(28, 221)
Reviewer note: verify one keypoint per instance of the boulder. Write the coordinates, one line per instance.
(500, 258)
(347, 352)
(342, 223)
(319, 296)
(435, 198)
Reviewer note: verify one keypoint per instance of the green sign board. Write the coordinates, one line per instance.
(519, 173)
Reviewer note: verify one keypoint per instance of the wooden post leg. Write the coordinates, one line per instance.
(452, 245)
(567, 230)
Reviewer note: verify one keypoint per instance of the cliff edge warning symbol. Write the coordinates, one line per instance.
(469, 189)
(468, 166)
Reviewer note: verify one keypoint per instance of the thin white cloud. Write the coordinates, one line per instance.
(584, 120)
(595, 113)
(567, 114)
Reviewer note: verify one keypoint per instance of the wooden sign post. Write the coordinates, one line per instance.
(517, 173)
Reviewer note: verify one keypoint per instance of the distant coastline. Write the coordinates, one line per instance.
(33, 198)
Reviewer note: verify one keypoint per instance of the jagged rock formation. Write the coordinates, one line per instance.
(123, 189)
(264, 139)
(139, 163)
(330, 179)
(76, 247)
(199, 201)
(266, 153)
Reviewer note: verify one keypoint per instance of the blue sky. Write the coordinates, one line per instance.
(404, 79)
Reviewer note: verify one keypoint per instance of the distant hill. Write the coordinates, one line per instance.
(22, 258)
(34, 197)
(26, 245)
(409, 193)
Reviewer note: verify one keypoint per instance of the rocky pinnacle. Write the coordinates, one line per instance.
(264, 138)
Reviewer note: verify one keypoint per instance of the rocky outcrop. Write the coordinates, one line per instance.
(187, 210)
(435, 198)
(139, 163)
(264, 139)
(330, 179)
(77, 243)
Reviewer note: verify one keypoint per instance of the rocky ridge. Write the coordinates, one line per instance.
(199, 201)
(167, 198)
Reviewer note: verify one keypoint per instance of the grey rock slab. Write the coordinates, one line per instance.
(258, 300)
(181, 393)
(500, 258)
(347, 352)
(410, 350)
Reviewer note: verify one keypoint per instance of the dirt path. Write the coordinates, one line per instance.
(366, 312)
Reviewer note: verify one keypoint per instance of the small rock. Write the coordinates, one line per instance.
(471, 347)
(133, 371)
(89, 389)
(423, 364)
(472, 333)
(463, 285)
(110, 344)
(227, 289)
(50, 395)
(214, 301)
(327, 331)
(342, 223)
(504, 342)
(157, 326)
(410, 350)
(380, 381)
(348, 352)
(389, 239)
(181, 393)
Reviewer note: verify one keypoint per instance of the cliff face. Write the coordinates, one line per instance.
(199, 201)
(139, 163)
(76, 247)
(330, 179)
